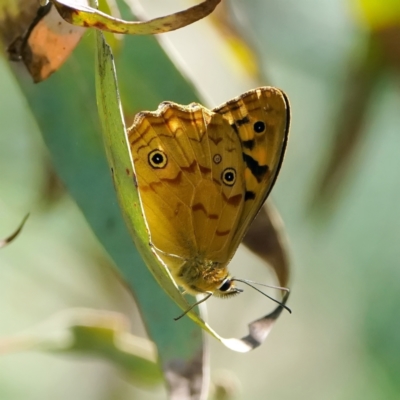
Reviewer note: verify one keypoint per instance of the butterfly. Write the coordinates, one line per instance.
(202, 177)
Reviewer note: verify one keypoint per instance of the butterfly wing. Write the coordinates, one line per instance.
(261, 119)
(224, 191)
(188, 164)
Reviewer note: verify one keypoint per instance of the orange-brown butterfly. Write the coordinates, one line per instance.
(202, 177)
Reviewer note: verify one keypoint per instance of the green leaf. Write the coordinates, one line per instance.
(89, 17)
(96, 333)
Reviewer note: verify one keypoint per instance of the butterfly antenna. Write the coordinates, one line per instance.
(249, 283)
(285, 289)
(194, 305)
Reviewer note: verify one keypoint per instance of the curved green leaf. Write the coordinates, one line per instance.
(89, 17)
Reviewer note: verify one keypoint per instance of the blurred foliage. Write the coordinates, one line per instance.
(376, 58)
(342, 340)
(92, 333)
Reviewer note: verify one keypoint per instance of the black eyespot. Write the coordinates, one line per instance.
(228, 176)
(226, 285)
(259, 127)
(157, 159)
(217, 158)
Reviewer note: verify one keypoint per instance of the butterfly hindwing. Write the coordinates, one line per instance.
(223, 192)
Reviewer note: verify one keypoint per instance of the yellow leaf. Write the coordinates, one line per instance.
(378, 14)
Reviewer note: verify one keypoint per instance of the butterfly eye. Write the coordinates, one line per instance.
(158, 159)
(226, 285)
(228, 176)
(259, 127)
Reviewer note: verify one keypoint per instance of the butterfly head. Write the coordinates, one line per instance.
(199, 275)
(227, 288)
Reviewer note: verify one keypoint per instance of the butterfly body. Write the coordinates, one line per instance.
(201, 275)
(202, 176)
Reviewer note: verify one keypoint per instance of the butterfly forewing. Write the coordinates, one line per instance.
(260, 118)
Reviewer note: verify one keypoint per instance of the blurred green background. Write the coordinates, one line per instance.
(343, 339)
